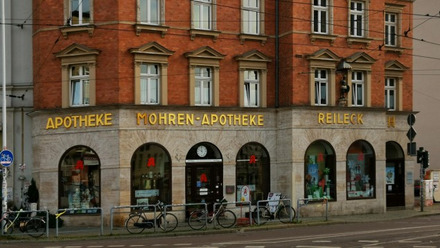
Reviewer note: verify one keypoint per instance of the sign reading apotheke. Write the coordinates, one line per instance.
(172, 119)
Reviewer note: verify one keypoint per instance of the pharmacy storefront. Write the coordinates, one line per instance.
(101, 158)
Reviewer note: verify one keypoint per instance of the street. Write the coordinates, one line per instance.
(417, 232)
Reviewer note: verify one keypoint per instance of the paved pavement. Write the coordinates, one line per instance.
(68, 232)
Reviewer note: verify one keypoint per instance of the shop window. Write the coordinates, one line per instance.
(361, 171)
(79, 179)
(253, 173)
(320, 171)
(150, 175)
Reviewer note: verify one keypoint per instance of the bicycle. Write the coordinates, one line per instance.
(284, 213)
(138, 221)
(225, 218)
(33, 226)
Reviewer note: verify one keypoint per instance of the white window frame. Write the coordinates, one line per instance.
(150, 84)
(251, 17)
(391, 28)
(390, 93)
(321, 8)
(357, 16)
(147, 11)
(80, 9)
(252, 88)
(79, 86)
(320, 83)
(203, 86)
(358, 84)
(199, 9)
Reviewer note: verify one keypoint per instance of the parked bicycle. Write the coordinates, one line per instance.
(284, 213)
(138, 221)
(33, 226)
(224, 217)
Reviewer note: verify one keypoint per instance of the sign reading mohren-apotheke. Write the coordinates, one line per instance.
(152, 119)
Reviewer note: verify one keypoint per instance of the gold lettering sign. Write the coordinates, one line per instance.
(341, 118)
(78, 121)
(181, 119)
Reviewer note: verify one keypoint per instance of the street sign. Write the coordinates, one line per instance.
(411, 134)
(6, 158)
(411, 119)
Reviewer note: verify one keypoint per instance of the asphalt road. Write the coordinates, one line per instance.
(420, 232)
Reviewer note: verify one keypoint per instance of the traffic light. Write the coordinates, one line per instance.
(425, 159)
(420, 155)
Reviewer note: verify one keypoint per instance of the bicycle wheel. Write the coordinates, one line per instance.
(197, 219)
(261, 215)
(134, 224)
(36, 227)
(286, 214)
(168, 222)
(8, 228)
(226, 219)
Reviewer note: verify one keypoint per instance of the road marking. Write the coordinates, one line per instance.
(314, 246)
(368, 241)
(95, 246)
(321, 241)
(137, 245)
(183, 244)
(116, 246)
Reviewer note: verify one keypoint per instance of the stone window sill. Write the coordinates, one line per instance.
(326, 37)
(66, 30)
(209, 33)
(150, 28)
(261, 38)
(359, 40)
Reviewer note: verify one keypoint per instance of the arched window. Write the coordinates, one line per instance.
(320, 171)
(150, 175)
(79, 178)
(253, 171)
(361, 171)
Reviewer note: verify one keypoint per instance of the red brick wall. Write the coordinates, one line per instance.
(114, 35)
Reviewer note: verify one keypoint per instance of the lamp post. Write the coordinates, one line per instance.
(4, 130)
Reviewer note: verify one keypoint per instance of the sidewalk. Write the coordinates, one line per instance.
(69, 232)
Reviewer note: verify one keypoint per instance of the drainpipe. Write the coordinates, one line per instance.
(277, 57)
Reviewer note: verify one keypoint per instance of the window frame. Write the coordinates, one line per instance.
(248, 90)
(319, 8)
(203, 81)
(258, 23)
(149, 12)
(395, 69)
(77, 54)
(83, 82)
(397, 10)
(80, 13)
(354, 15)
(390, 37)
(198, 24)
(318, 90)
(68, 27)
(361, 61)
(388, 90)
(357, 83)
(151, 53)
(150, 78)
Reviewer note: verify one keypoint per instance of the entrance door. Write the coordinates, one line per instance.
(395, 183)
(204, 182)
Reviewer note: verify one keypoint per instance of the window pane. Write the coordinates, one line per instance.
(206, 93)
(361, 173)
(154, 85)
(323, 22)
(143, 89)
(76, 92)
(86, 92)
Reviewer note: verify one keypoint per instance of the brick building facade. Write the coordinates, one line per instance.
(190, 101)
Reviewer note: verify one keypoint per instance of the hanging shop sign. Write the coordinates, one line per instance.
(341, 118)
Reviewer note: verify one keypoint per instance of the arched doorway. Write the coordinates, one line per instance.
(320, 171)
(395, 175)
(150, 175)
(204, 174)
(80, 183)
(253, 171)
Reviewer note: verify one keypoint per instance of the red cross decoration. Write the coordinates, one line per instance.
(79, 165)
(151, 162)
(252, 160)
(361, 157)
(320, 157)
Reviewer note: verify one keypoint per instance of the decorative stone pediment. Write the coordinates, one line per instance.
(394, 65)
(152, 48)
(254, 56)
(324, 55)
(205, 52)
(361, 58)
(76, 50)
